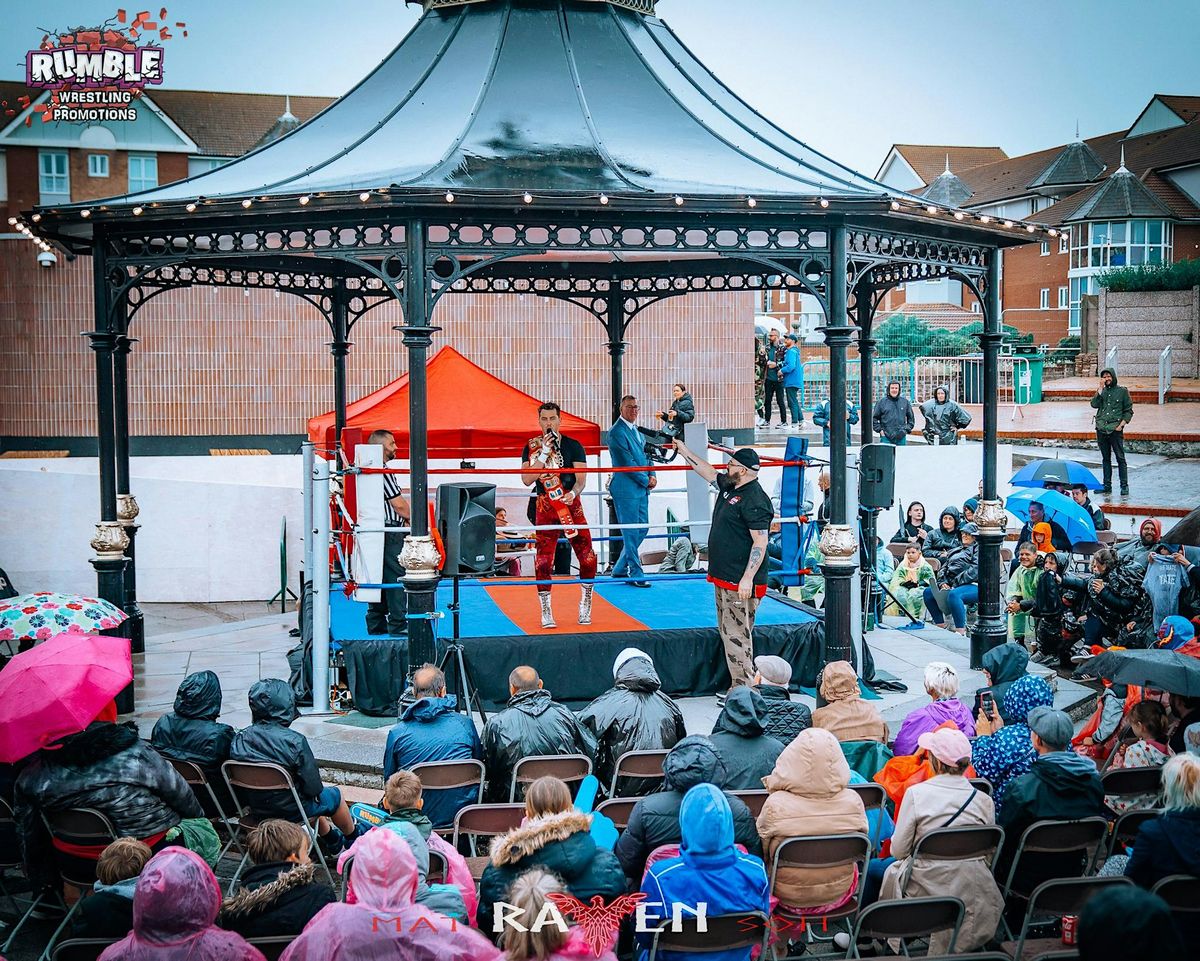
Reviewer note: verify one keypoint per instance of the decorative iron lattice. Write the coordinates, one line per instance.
(882, 247)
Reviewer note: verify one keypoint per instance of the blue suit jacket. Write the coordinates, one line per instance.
(626, 452)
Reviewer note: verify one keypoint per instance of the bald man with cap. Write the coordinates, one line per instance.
(737, 552)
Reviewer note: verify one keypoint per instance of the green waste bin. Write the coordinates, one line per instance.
(1027, 378)
(972, 379)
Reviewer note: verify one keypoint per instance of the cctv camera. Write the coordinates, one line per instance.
(47, 259)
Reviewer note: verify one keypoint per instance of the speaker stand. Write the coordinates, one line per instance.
(466, 693)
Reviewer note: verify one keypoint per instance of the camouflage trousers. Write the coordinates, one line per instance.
(735, 623)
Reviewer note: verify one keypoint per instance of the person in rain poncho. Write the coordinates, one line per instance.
(943, 418)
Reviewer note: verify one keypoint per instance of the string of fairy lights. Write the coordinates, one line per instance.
(336, 200)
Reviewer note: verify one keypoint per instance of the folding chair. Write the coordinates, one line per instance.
(10, 860)
(446, 775)
(271, 948)
(81, 949)
(437, 868)
(984, 785)
(754, 800)
(571, 768)
(1106, 537)
(829, 851)
(84, 827)
(1081, 554)
(1053, 899)
(645, 765)
(966, 843)
(1182, 894)
(214, 810)
(484, 820)
(245, 780)
(1132, 781)
(1125, 829)
(724, 932)
(618, 810)
(907, 918)
(874, 798)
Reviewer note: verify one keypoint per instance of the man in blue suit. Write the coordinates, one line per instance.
(630, 489)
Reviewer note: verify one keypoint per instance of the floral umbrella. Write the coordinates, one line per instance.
(40, 616)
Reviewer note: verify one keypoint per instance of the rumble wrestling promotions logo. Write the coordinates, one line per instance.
(96, 74)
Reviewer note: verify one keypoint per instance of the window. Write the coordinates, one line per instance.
(975, 308)
(1045, 300)
(200, 165)
(143, 172)
(97, 165)
(54, 182)
(1079, 287)
(1045, 248)
(1064, 243)
(1064, 298)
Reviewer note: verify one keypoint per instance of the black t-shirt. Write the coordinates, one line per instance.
(572, 453)
(737, 512)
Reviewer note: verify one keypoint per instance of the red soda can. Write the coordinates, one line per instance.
(1070, 929)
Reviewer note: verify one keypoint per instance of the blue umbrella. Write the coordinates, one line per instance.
(1041, 473)
(1074, 520)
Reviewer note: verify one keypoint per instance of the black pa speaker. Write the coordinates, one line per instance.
(466, 519)
(877, 475)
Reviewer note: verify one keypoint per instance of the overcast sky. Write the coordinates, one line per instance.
(850, 77)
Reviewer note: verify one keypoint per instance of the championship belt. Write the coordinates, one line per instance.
(552, 483)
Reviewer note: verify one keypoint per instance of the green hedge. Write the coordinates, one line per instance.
(1181, 275)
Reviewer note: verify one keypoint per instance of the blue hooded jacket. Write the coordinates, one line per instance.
(431, 730)
(709, 870)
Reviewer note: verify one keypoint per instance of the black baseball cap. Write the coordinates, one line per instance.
(747, 457)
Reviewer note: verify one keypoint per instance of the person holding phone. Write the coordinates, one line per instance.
(1114, 409)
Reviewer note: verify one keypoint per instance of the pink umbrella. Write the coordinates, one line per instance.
(58, 688)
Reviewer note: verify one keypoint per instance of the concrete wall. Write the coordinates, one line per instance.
(1141, 324)
(210, 525)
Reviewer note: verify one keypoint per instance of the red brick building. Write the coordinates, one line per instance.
(1123, 198)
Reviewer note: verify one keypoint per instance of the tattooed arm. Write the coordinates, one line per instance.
(758, 550)
(699, 465)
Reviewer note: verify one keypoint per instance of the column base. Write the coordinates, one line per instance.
(989, 632)
(837, 645)
(421, 595)
(110, 585)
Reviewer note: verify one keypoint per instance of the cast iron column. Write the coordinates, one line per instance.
(614, 323)
(420, 556)
(991, 628)
(127, 506)
(864, 310)
(340, 348)
(109, 541)
(839, 542)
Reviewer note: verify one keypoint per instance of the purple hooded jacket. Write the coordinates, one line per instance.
(929, 717)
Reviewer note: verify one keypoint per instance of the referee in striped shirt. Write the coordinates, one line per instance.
(389, 616)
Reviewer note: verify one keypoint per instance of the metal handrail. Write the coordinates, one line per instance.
(282, 594)
(1164, 374)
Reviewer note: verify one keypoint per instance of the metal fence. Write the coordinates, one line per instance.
(962, 376)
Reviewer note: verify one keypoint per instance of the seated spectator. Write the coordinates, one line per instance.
(192, 733)
(430, 729)
(738, 736)
(175, 906)
(1002, 666)
(709, 870)
(885, 564)
(957, 583)
(947, 799)
(403, 802)
(941, 684)
(1060, 785)
(557, 838)
(270, 738)
(654, 820)
(1037, 515)
(910, 578)
(1099, 733)
(1136, 552)
(969, 507)
(1164, 581)
(379, 918)
(530, 893)
(1022, 589)
(810, 797)
(1004, 752)
(1187, 712)
(1079, 494)
(683, 555)
(281, 893)
(846, 715)
(1170, 843)
(1148, 722)
(1119, 609)
(506, 542)
(785, 718)
(108, 768)
(947, 537)
(1047, 609)
(914, 530)
(1124, 922)
(1177, 633)
(633, 715)
(531, 724)
(108, 912)
(821, 419)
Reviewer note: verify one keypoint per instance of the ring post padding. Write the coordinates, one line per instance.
(366, 556)
(695, 436)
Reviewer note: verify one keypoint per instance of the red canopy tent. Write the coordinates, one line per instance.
(472, 413)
